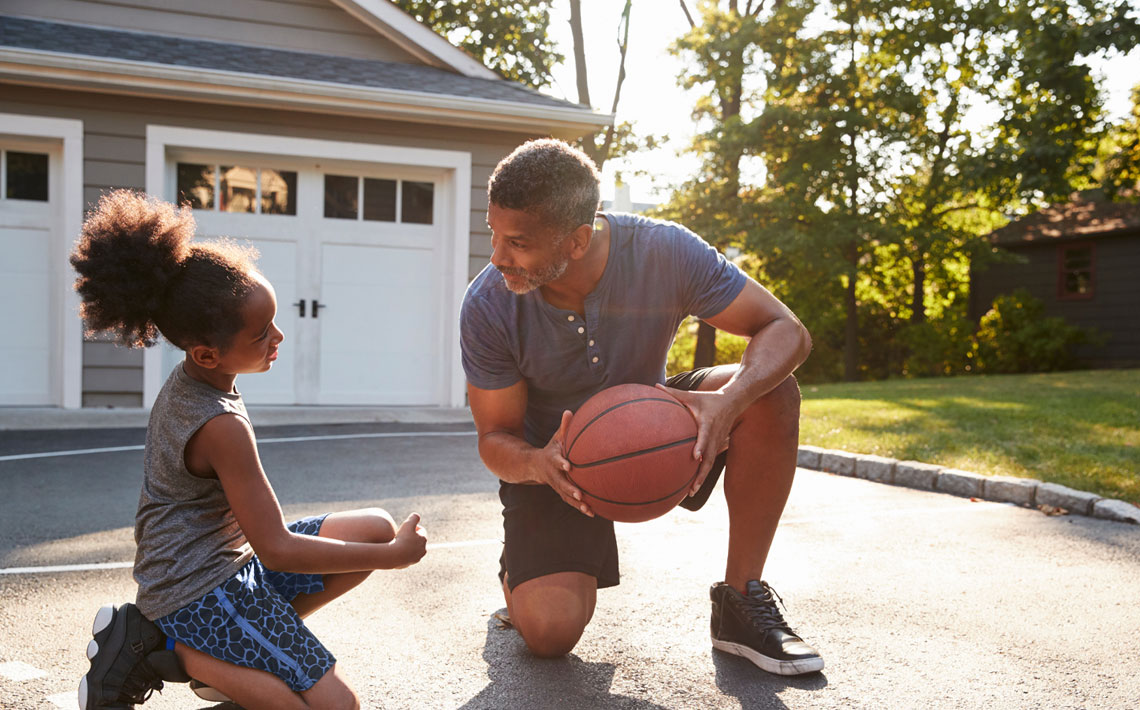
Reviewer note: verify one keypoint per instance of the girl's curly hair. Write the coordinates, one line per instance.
(139, 275)
(549, 179)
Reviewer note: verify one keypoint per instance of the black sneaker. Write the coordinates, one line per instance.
(752, 626)
(120, 674)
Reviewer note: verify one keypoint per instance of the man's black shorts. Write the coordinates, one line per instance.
(544, 535)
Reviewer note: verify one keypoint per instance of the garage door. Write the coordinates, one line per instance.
(28, 203)
(355, 253)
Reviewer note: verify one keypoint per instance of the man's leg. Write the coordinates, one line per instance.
(760, 466)
(551, 612)
(758, 474)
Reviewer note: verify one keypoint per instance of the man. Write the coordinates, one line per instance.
(574, 302)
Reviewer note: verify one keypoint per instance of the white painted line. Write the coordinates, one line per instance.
(97, 566)
(17, 670)
(67, 568)
(276, 440)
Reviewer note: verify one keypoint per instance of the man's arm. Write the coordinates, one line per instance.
(498, 418)
(778, 344)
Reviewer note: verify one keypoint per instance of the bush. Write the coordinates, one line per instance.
(1016, 336)
(938, 348)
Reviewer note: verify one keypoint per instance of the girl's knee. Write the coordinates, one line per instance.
(382, 527)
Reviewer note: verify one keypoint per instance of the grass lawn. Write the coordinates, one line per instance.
(1079, 429)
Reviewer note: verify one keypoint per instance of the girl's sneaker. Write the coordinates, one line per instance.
(120, 675)
(205, 692)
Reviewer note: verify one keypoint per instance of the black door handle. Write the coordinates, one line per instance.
(301, 307)
(317, 306)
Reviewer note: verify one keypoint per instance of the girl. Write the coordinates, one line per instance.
(219, 571)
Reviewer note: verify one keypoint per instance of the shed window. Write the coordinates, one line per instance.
(1076, 270)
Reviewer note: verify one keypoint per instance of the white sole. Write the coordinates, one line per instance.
(806, 665)
(213, 695)
(83, 693)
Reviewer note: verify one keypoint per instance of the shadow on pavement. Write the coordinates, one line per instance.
(754, 688)
(520, 680)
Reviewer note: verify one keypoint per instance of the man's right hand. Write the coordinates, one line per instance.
(553, 468)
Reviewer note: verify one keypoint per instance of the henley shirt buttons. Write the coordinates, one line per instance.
(570, 318)
(591, 343)
(581, 329)
(595, 359)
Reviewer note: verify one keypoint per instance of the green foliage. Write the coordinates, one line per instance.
(1119, 154)
(729, 348)
(1016, 336)
(894, 136)
(509, 36)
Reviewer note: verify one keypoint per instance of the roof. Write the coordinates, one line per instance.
(1086, 215)
(48, 53)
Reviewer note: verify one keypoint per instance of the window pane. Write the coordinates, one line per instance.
(1078, 259)
(278, 192)
(196, 185)
(416, 203)
(27, 176)
(340, 196)
(238, 189)
(380, 200)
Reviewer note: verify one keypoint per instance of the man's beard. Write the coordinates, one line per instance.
(530, 281)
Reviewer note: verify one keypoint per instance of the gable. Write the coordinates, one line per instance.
(318, 27)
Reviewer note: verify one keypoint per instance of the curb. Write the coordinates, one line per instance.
(1026, 492)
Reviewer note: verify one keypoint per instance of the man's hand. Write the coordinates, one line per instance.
(411, 541)
(715, 415)
(552, 468)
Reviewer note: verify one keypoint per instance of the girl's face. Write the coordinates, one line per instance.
(254, 347)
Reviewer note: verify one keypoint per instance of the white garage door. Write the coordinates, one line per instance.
(28, 225)
(356, 255)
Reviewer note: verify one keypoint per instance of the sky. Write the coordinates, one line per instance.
(655, 104)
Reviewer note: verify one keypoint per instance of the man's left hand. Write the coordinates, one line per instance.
(715, 414)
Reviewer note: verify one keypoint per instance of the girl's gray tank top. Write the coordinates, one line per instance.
(188, 538)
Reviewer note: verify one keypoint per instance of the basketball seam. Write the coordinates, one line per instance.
(641, 502)
(631, 454)
(599, 415)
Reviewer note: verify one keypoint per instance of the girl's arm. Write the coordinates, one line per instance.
(225, 445)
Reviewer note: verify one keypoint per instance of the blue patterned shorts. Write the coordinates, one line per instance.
(248, 621)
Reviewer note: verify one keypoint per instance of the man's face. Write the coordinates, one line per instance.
(524, 250)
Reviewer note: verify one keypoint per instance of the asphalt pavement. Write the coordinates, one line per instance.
(915, 599)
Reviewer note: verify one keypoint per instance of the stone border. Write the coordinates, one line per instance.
(1027, 492)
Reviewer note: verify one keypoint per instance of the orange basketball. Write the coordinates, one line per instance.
(630, 449)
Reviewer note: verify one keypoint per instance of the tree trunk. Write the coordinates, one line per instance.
(918, 298)
(704, 355)
(579, 52)
(851, 329)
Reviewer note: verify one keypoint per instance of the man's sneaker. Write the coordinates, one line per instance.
(120, 675)
(752, 626)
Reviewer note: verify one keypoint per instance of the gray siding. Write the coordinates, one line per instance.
(1113, 310)
(115, 157)
(302, 25)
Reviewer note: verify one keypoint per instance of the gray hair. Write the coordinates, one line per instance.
(550, 179)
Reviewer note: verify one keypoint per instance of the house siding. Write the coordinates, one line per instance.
(300, 25)
(1113, 310)
(115, 157)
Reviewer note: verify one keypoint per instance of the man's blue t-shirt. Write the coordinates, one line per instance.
(657, 274)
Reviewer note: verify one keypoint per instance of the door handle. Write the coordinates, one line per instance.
(317, 306)
(301, 307)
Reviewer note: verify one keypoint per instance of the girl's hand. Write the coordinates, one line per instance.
(410, 541)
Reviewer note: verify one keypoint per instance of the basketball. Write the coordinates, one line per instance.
(631, 452)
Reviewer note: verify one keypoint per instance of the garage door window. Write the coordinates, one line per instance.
(25, 175)
(379, 200)
(237, 188)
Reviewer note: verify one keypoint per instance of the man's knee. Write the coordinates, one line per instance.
(548, 635)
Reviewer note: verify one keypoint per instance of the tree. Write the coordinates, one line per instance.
(508, 36)
(869, 120)
(1120, 154)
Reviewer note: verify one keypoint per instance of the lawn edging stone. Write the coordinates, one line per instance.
(960, 483)
(915, 474)
(1010, 489)
(1072, 500)
(1000, 489)
(834, 461)
(875, 468)
(1118, 510)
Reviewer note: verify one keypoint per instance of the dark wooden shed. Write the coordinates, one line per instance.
(1082, 259)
